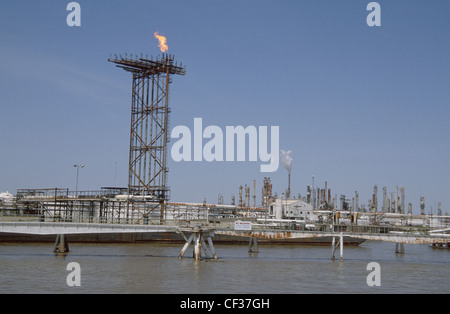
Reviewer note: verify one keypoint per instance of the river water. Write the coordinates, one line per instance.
(153, 268)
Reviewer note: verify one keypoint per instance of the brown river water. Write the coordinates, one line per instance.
(154, 268)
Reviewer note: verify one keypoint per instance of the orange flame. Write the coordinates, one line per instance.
(162, 42)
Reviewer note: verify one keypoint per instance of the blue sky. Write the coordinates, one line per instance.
(356, 105)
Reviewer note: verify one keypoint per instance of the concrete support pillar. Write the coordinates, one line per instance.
(197, 246)
(61, 244)
(253, 245)
(399, 248)
(333, 248)
(211, 246)
(186, 245)
(341, 247)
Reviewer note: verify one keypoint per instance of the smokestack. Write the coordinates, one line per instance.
(392, 209)
(402, 204)
(247, 196)
(288, 192)
(422, 205)
(308, 194)
(319, 197)
(240, 196)
(375, 198)
(254, 193)
(396, 200)
(286, 159)
(385, 201)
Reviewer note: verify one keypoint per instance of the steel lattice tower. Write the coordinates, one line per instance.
(147, 176)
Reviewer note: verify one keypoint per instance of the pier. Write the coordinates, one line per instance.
(201, 235)
(63, 215)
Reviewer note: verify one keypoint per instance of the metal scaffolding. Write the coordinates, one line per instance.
(147, 177)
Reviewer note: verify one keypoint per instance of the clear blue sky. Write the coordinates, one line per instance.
(357, 105)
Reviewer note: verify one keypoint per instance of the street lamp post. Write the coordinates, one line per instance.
(78, 171)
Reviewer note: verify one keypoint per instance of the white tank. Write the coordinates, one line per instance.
(6, 196)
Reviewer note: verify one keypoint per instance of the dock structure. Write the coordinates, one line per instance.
(198, 236)
(200, 233)
(60, 213)
(395, 237)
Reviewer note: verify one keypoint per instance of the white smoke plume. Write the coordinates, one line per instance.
(286, 159)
